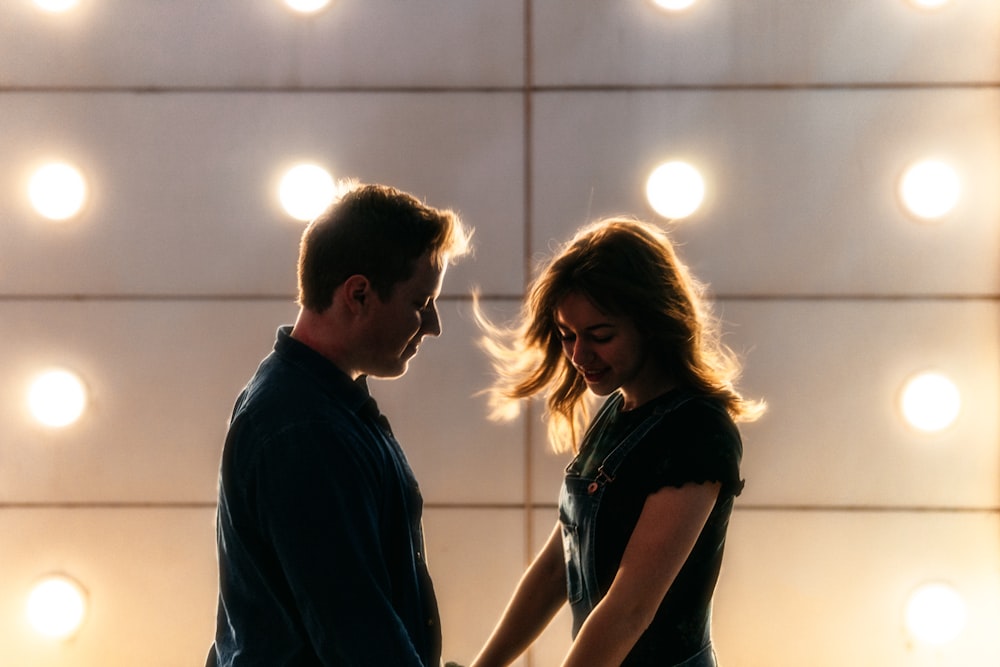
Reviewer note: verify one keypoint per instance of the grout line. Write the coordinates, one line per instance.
(290, 298)
(528, 164)
(869, 509)
(519, 506)
(112, 505)
(527, 87)
(848, 509)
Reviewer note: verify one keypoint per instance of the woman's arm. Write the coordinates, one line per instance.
(668, 527)
(539, 595)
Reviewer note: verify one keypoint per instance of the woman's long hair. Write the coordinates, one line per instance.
(629, 269)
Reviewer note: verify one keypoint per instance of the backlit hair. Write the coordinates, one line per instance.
(628, 269)
(376, 231)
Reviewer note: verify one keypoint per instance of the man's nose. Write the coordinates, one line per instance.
(431, 324)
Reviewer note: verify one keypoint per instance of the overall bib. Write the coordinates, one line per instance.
(579, 502)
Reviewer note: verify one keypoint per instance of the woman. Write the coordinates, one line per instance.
(645, 503)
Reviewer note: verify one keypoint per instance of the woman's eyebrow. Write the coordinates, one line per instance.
(592, 327)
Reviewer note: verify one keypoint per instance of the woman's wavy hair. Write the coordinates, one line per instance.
(626, 268)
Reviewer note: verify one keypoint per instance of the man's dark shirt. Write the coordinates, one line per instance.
(321, 556)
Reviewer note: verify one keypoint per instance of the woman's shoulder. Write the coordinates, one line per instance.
(697, 441)
(696, 421)
(684, 405)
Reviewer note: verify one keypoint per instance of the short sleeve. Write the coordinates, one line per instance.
(698, 443)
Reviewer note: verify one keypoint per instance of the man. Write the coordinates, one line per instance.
(321, 556)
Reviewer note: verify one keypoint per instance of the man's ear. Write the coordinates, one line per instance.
(357, 292)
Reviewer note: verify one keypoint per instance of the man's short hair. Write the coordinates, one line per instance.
(376, 231)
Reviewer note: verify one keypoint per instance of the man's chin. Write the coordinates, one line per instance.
(391, 373)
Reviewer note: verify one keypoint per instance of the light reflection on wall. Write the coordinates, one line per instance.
(56, 607)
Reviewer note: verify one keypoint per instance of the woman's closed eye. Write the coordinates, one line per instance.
(567, 337)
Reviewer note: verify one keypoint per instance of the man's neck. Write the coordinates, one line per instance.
(318, 331)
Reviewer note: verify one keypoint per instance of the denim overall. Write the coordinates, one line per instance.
(579, 502)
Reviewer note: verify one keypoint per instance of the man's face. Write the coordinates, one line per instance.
(397, 325)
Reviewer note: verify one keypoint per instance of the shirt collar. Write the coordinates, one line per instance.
(353, 393)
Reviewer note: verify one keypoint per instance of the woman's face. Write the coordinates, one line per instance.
(609, 352)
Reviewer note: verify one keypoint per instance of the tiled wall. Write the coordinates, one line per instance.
(529, 117)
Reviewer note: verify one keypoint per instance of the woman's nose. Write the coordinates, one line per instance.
(581, 353)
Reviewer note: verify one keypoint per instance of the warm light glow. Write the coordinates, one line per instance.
(675, 190)
(930, 189)
(57, 191)
(56, 5)
(930, 4)
(930, 402)
(935, 614)
(306, 190)
(56, 607)
(57, 398)
(307, 6)
(673, 5)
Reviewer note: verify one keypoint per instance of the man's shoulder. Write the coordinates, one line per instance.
(280, 409)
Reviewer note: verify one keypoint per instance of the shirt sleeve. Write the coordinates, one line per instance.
(702, 445)
(318, 498)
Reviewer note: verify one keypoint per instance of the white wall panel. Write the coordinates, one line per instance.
(830, 589)
(765, 42)
(832, 374)
(261, 44)
(801, 185)
(149, 573)
(475, 557)
(185, 185)
(162, 378)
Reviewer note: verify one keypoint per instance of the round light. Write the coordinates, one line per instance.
(930, 402)
(56, 607)
(57, 191)
(930, 189)
(56, 5)
(57, 398)
(673, 5)
(935, 614)
(930, 4)
(675, 190)
(307, 6)
(306, 190)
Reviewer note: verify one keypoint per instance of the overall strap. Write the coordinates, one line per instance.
(610, 406)
(609, 466)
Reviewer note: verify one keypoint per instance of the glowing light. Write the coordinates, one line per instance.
(930, 189)
(935, 614)
(57, 191)
(56, 6)
(930, 4)
(307, 6)
(306, 190)
(57, 398)
(673, 5)
(930, 402)
(56, 607)
(675, 190)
